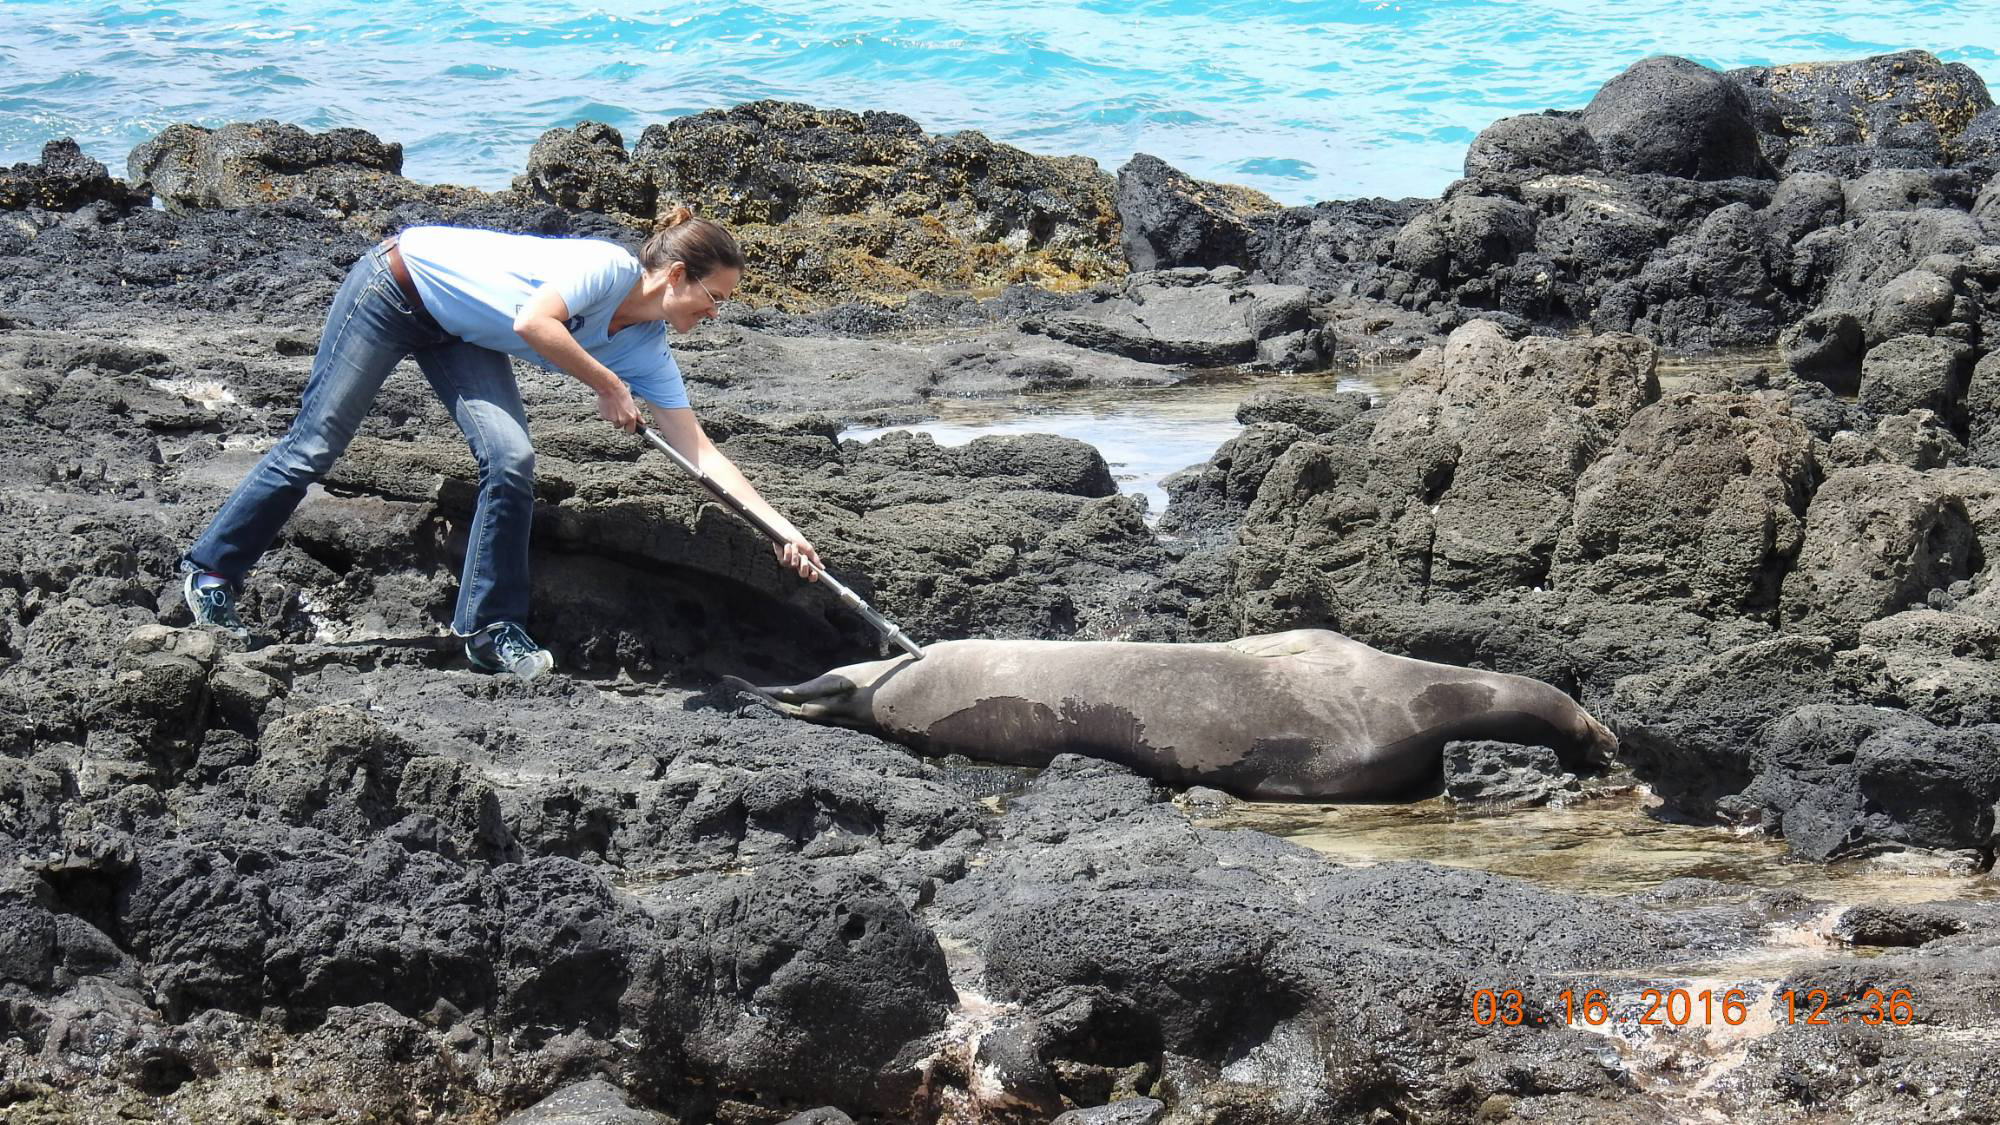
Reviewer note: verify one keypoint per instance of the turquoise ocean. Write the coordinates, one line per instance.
(1303, 99)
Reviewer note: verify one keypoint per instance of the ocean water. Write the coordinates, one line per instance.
(1303, 99)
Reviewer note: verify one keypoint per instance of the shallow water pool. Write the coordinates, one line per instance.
(1146, 434)
(1609, 844)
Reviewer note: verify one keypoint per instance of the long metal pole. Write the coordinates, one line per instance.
(889, 629)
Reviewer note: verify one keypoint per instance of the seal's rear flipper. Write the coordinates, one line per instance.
(741, 687)
(797, 700)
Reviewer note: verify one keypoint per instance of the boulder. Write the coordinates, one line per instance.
(1930, 788)
(1907, 189)
(1168, 219)
(1693, 732)
(1944, 666)
(1464, 237)
(1311, 413)
(1330, 245)
(824, 1115)
(595, 1102)
(1504, 773)
(1199, 318)
(1877, 539)
(63, 180)
(1717, 276)
(834, 202)
(1917, 373)
(1209, 499)
(1463, 487)
(1914, 303)
(1805, 785)
(335, 769)
(32, 797)
(1826, 346)
(1907, 101)
(1917, 439)
(1075, 919)
(1982, 411)
(244, 164)
(1125, 1111)
(1675, 117)
(1699, 502)
(1891, 925)
(588, 169)
(1531, 145)
(804, 980)
(156, 708)
(1805, 202)
(818, 793)
(1977, 147)
(1597, 228)
(1986, 207)
(1511, 426)
(1845, 267)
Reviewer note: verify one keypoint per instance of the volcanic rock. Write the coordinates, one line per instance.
(239, 165)
(1530, 146)
(1672, 116)
(63, 180)
(1167, 219)
(1504, 773)
(1872, 112)
(892, 209)
(1199, 318)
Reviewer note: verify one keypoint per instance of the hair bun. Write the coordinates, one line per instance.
(673, 218)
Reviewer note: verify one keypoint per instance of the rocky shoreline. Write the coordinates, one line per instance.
(339, 877)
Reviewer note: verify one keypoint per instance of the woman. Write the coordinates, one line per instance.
(461, 302)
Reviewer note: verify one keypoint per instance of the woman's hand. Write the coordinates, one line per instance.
(617, 407)
(797, 554)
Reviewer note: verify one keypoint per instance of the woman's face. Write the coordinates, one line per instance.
(691, 300)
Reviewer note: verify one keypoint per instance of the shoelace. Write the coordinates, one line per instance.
(217, 600)
(512, 645)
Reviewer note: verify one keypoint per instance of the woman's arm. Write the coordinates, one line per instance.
(685, 434)
(540, 322)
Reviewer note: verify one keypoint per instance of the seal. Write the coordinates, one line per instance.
(1307, 713)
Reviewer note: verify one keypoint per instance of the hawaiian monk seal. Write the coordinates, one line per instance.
(1308, 713)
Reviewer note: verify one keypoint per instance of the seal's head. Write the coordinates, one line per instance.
(1597, 747)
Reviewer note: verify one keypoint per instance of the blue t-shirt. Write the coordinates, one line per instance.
(474, 282)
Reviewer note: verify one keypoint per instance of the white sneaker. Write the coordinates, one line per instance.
(506, 647)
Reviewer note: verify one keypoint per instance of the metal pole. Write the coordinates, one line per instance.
(889, 629)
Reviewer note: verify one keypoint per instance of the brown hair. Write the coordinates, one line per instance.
(680, 237)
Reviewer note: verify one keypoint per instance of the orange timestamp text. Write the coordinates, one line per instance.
(1681, 1007)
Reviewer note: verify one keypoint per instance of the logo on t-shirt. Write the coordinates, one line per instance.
(573, 325)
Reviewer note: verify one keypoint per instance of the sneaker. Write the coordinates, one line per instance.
(211, 600)
(506, 647)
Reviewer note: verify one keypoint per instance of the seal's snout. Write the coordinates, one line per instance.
(1601, 747)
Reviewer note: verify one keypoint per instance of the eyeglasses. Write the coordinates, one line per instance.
(714, 301)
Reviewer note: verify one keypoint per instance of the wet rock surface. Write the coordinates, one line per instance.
(595, 1102)
(1199, 318)
(335, 869)
(1502, 773)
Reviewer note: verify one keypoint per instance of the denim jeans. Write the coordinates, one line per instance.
(370, 328)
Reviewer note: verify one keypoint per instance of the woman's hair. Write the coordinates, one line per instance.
(680, 237)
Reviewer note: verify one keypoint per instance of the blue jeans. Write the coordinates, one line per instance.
(370, 328)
